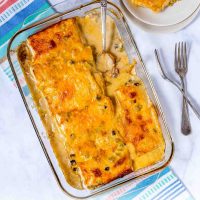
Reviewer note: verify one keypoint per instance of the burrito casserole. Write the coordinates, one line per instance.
(100, 127)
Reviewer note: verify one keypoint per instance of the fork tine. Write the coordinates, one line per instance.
(179, 56)
(175, 56)
(185, 56)
(182, 56)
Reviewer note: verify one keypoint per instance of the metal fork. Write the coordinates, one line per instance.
(165, 76)
(181, 68)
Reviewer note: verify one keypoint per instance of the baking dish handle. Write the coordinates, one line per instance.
(50, 12)
(37, 16)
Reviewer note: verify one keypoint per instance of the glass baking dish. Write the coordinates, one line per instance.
(51, 16)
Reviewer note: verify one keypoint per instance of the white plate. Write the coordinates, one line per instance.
(172, 15)
(160, 29)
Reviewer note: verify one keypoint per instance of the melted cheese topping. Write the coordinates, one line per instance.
(74, 92)
(155, 5)
(96, 143)
(64, 72)
(142, 130)
(100, 127)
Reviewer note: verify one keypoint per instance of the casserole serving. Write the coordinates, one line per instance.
(155, 5)
(101, 128)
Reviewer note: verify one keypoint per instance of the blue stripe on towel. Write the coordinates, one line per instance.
(177, 194)
(168, 187)
(174, 185)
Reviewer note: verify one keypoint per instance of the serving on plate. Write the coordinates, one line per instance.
(103, 130)
(154, 5)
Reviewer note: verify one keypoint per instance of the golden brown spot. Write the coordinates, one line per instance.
(69, 34)
(132, 94)
(65, 94)
(52, 44)
(143, 127)
(127, 117)
(97, 172)
(139, 117)
(102, 152)
(138, 138)
(103, 133)
(98, 158)
(58, 36)
(120, 161)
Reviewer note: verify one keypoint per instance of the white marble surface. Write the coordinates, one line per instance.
(24, 172)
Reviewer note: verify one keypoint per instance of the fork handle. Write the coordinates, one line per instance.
(103, 23)
(185, 121)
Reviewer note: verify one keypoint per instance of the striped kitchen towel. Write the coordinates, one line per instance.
(163, 185)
